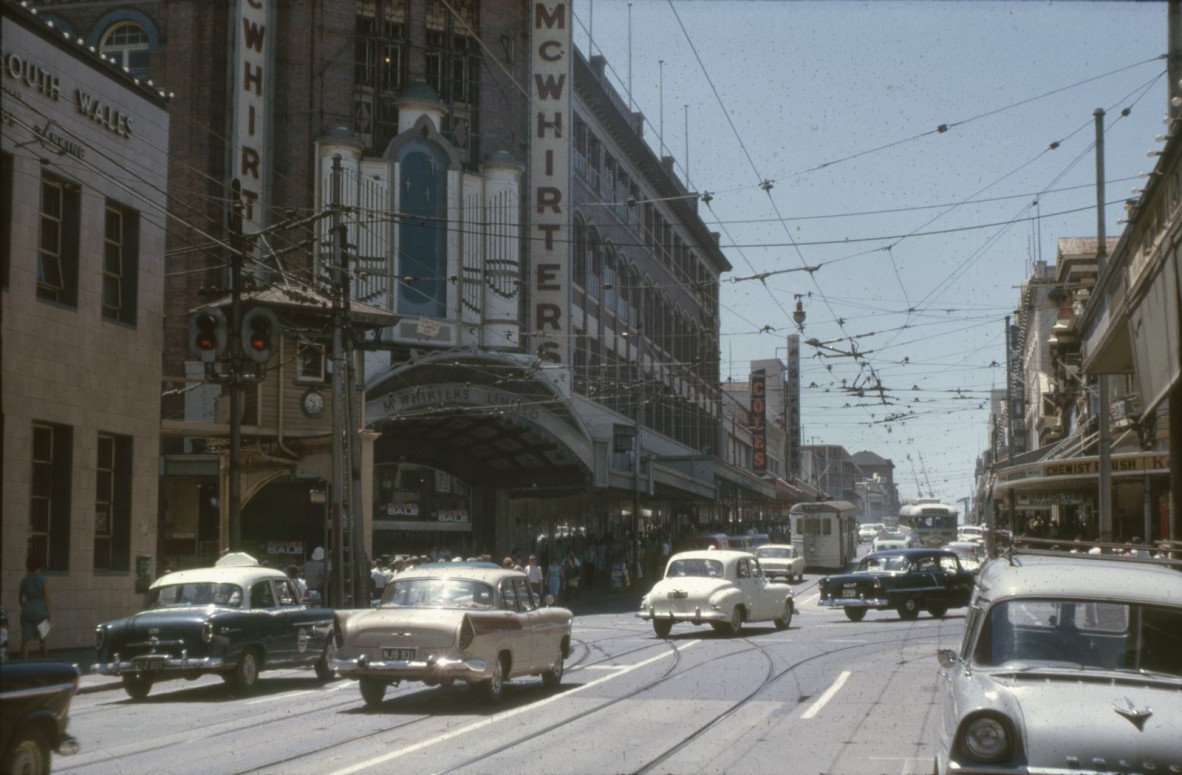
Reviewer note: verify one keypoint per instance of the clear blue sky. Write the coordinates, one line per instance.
(922, 237)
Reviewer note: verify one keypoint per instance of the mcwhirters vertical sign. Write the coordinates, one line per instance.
(252, 44)
(550, 151)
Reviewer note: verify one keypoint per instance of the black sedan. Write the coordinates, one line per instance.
(234, 619)
(906, 580)
(34, 708)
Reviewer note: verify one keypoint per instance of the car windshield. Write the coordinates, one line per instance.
(695, 567)
(1087, 634)
(767, 551)
(892, 563)
(196, 593)
(437, 593)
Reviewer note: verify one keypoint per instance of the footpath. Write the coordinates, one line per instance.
(598, 600)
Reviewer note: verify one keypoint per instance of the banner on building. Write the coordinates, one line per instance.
(759, 421)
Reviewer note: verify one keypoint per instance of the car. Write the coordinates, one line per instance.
(867, 532)
(906, 580)
(34, 712)
(970, 533)
(234, 619)
(971, 553)
(781, 560)
(882, 544)
(478, 624)
(1069, 663)
(725, 589)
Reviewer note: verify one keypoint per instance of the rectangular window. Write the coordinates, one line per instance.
(310, 362)
(49, 501)
(112, 503)
(380, 52)
(121, 258)
(57, 254)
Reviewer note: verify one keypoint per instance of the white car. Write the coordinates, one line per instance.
(781, 560)
(970, 533)
(1070, 663)
(890, 544)
(445, 622)
(721, 588)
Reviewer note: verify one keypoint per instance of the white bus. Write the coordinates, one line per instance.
(825, 533)
(931, 523)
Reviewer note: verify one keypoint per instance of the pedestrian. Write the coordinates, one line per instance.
(34, 600)
(572, 572)
(314, 574)
(533, 572)
(301, 586)
(554, 579)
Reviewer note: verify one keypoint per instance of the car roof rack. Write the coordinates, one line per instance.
(1166, 553)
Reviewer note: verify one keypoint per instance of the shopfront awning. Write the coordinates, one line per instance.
(1063, 475)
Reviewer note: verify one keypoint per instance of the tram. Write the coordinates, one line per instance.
(931, 522)
(825, 533)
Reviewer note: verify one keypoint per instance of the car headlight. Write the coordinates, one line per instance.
(987, 738)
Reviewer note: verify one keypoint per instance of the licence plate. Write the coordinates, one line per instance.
(850, 590)
(402, 655)
(149, 663)
(678, 594)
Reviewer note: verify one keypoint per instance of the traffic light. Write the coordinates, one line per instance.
(207, 333)
(260, 327)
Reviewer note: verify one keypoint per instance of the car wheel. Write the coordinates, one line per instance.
(909, 609)
(785, 620)
(246, 675)
(735, 626)
(662, 627)
(323, 671)
(855, 614)
(372, 691)
(29, 753)
(938, 611)
(552, 677)
(136, 686)
(493, 688)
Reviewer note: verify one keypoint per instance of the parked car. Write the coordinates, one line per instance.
(1069, 663)
(781, 560)
(722, 588)
(906, 580)
(34, 712)
(442, 623)
(234, 619)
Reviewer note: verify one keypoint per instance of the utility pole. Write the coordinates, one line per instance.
(1104, 507)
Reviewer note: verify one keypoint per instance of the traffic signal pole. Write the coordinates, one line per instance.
(235, 381)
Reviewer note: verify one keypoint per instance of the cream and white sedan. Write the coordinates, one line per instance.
(721, 588)
(781, 560)
(446, 622)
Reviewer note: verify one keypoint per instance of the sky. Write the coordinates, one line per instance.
(900, 166)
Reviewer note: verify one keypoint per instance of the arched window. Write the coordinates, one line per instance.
(127, 43)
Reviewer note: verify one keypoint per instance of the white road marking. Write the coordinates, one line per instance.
(827, 696)
(811, 599)
(499, 716)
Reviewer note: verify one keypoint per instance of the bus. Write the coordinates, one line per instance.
(931, 523)
(825, 533)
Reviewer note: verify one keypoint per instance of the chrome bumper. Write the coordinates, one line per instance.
(154, 665)
(697, 616)
(431, 669)
(854, 602)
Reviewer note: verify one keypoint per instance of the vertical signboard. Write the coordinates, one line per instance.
(1017, 408)
(792, 404)
(759, 421)
(550, 153)
(252, 61)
